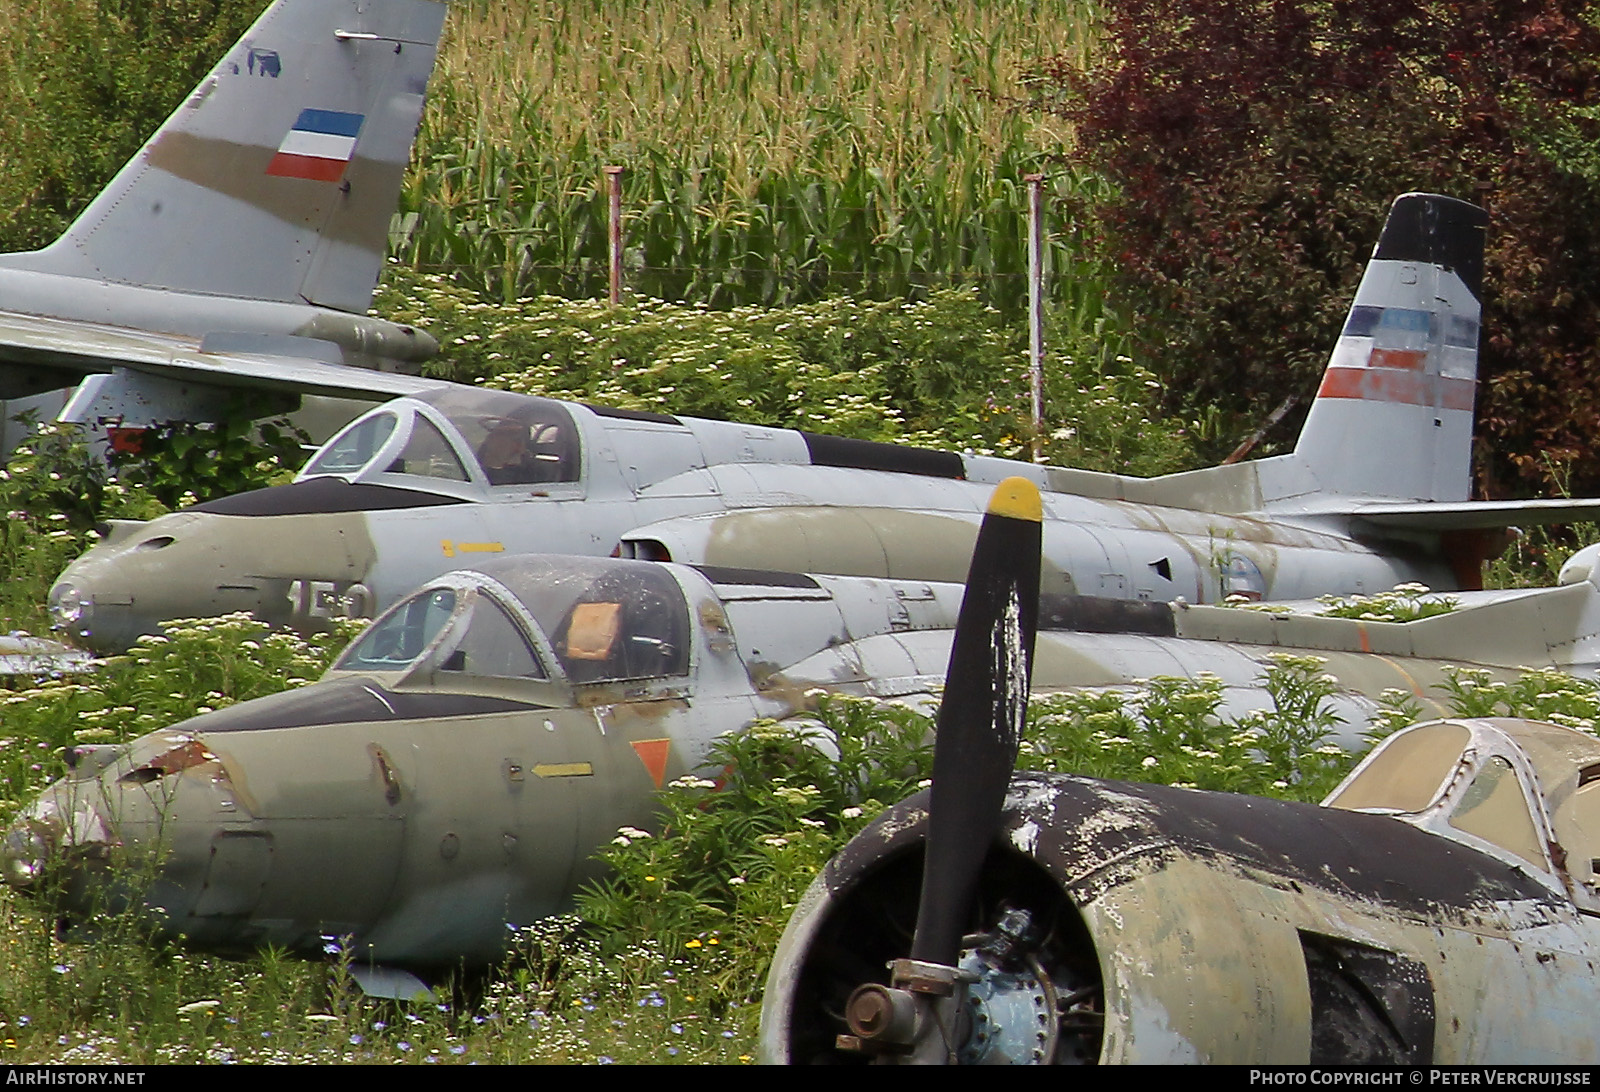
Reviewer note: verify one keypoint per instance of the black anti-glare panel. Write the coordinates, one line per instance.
(321, 495)
(870, 455)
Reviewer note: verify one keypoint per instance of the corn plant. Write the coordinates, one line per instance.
(772, 152)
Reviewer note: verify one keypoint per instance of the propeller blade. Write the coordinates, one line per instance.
(980, 721)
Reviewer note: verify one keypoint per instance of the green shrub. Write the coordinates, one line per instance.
(57, 492)
(948, 372)
(83, 84)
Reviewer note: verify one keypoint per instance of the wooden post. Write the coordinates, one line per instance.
(1036, 308)
(614, 181)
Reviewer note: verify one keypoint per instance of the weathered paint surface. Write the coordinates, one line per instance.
(383, 759)
(440, 784)
(1232, 929)
(660, 487)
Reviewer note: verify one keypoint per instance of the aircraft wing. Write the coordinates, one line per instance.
(38, 354)
(21, 654)
(240, 246)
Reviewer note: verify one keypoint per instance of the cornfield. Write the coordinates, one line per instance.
(773, 152)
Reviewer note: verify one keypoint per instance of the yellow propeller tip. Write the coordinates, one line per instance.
(1017, 498)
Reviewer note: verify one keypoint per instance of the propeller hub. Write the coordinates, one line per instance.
(921, 1018)
(883, 1015)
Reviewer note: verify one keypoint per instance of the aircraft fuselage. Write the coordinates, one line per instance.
(373, 516)
(457, 769)
(1162, 925)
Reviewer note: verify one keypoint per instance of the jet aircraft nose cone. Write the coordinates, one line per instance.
(62, 825)
(70, 608)
(129, 826)
(90, 611)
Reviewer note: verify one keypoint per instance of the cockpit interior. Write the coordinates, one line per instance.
(597, 619)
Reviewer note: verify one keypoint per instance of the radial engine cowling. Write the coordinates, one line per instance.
(1125, 922)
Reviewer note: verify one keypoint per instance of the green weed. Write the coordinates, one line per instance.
(1406, 603)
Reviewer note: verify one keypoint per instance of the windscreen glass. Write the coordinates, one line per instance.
(396, 640)
(607, 620)
(517, 440)
(493, 646)
(353, 448)
(1407, 773)
(1493, 808)
(427, 454)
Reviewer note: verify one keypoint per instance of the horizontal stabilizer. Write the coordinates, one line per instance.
(1475, 515)
(1500, 627)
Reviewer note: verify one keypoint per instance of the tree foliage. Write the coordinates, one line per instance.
(1256, 146)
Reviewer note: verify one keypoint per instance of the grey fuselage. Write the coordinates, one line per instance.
(484, 737)
(372, 517)
(454, 773)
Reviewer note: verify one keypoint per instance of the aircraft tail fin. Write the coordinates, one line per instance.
(277, 177)
(1393, 416)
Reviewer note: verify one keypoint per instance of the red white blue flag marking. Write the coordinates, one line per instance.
(319, 147)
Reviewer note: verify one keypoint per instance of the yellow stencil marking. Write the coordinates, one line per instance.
(451, 549)
(563, 769)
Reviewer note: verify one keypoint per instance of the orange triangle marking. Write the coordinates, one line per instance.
(653, 753)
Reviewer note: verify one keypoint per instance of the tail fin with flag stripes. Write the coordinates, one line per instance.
(276, 178)
(1393, 416)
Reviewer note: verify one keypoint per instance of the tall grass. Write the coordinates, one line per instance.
(772, 152)
(668, 958)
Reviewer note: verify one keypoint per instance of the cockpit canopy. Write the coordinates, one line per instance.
(477, 438)
(593, 619)
(1518, 787)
